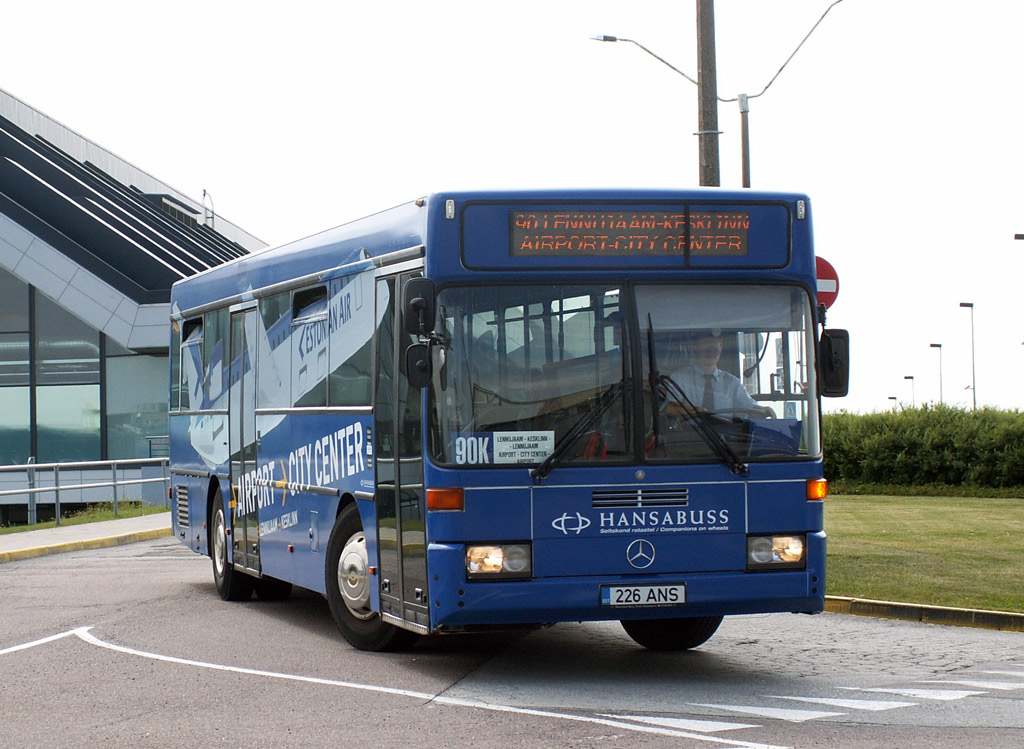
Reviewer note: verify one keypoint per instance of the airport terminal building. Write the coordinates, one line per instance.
(89, 248)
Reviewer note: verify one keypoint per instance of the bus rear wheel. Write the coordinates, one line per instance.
(672, 634)
(348, 589)
(232, 585)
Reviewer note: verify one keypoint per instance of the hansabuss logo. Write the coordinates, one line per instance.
(571, 523)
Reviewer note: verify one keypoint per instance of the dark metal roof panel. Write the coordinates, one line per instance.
(111, 229)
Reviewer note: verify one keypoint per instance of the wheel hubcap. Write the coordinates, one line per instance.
(219, 543)
(354, 578)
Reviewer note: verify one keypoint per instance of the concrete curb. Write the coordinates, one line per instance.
(92, 543)
(913, 612)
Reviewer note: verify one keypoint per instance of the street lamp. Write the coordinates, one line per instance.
(939, 347)
(706, 179)
(710, 135)
(893, 399)
(913, 395)
(974, 386)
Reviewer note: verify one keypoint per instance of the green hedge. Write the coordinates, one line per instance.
(931, 445)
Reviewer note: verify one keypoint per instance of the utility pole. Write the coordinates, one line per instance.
(707, 87)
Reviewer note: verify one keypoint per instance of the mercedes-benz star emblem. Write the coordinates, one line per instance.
(640, 554)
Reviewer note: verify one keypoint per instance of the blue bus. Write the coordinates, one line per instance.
(490, 409)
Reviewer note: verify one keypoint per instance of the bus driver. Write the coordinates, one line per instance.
(710, 388)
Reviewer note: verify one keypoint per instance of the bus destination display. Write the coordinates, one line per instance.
(628, 233)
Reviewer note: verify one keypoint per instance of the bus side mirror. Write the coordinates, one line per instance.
(418, 300)
(834, 363)
(417, 365)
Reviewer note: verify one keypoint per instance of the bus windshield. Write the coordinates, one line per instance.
(604, 374)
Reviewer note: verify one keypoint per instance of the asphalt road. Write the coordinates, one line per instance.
(130, 646)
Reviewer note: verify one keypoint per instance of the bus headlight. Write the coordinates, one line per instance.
(776, 552)
(507, 561)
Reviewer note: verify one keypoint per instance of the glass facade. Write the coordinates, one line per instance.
(136, 400)
(69, 393)
(15, 433)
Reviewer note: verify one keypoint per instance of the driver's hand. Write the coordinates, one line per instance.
(765, 412)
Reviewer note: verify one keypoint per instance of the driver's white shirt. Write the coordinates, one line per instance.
(729, 392)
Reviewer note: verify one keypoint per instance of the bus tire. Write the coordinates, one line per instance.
(348, 589)
(232, 585)
(672, 634)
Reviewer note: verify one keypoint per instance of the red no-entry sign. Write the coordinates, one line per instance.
(828, 282)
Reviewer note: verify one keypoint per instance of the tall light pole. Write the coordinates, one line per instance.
(707, 85)
(708, 116)
(939, 347)
(974, 384)
(913, 396)
(707, 93)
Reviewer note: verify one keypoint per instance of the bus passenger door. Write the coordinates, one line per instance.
(242, 439)
(398, 456)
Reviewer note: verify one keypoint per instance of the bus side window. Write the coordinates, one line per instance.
(351, 347)
(175, 351)
(215, 355)
(192, 363)
(309, 347)
(276, 316)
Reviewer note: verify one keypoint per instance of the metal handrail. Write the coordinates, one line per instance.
(32, 469)
(84, 464)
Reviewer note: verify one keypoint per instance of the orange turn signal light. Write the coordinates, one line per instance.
(446, 499)
(817, 489)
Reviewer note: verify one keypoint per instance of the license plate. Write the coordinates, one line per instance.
(643, 595)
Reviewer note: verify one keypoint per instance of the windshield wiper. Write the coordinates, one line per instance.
(605, 401)
(702, 425)
(653, 379)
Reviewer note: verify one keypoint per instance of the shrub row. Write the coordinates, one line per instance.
(931, 445)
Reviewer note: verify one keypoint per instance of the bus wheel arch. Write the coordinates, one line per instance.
(348, 581)
(672, 634)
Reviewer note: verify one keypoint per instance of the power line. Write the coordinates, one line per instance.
(754, 96)
(607, 38)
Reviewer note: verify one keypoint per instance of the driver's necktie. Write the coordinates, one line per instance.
(708, 403)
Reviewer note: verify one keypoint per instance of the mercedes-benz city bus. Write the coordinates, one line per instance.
(502, 409)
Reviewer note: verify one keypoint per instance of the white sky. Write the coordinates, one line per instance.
(900, 119)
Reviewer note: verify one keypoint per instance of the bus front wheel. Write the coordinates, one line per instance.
(231, 584)
(348, 589)
(672, 634)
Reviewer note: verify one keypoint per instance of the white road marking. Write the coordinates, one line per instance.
(85, 635)
(849, 704)
(978, 683)
(43, 641)
(923, 694)
(779, 713)
(686, 724)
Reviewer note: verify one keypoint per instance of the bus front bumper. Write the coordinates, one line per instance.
(457, 603)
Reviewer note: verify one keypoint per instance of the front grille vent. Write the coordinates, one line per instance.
(182, 493)
(641, 497)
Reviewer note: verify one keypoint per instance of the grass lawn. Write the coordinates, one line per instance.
(92, 514)
(944, 551)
